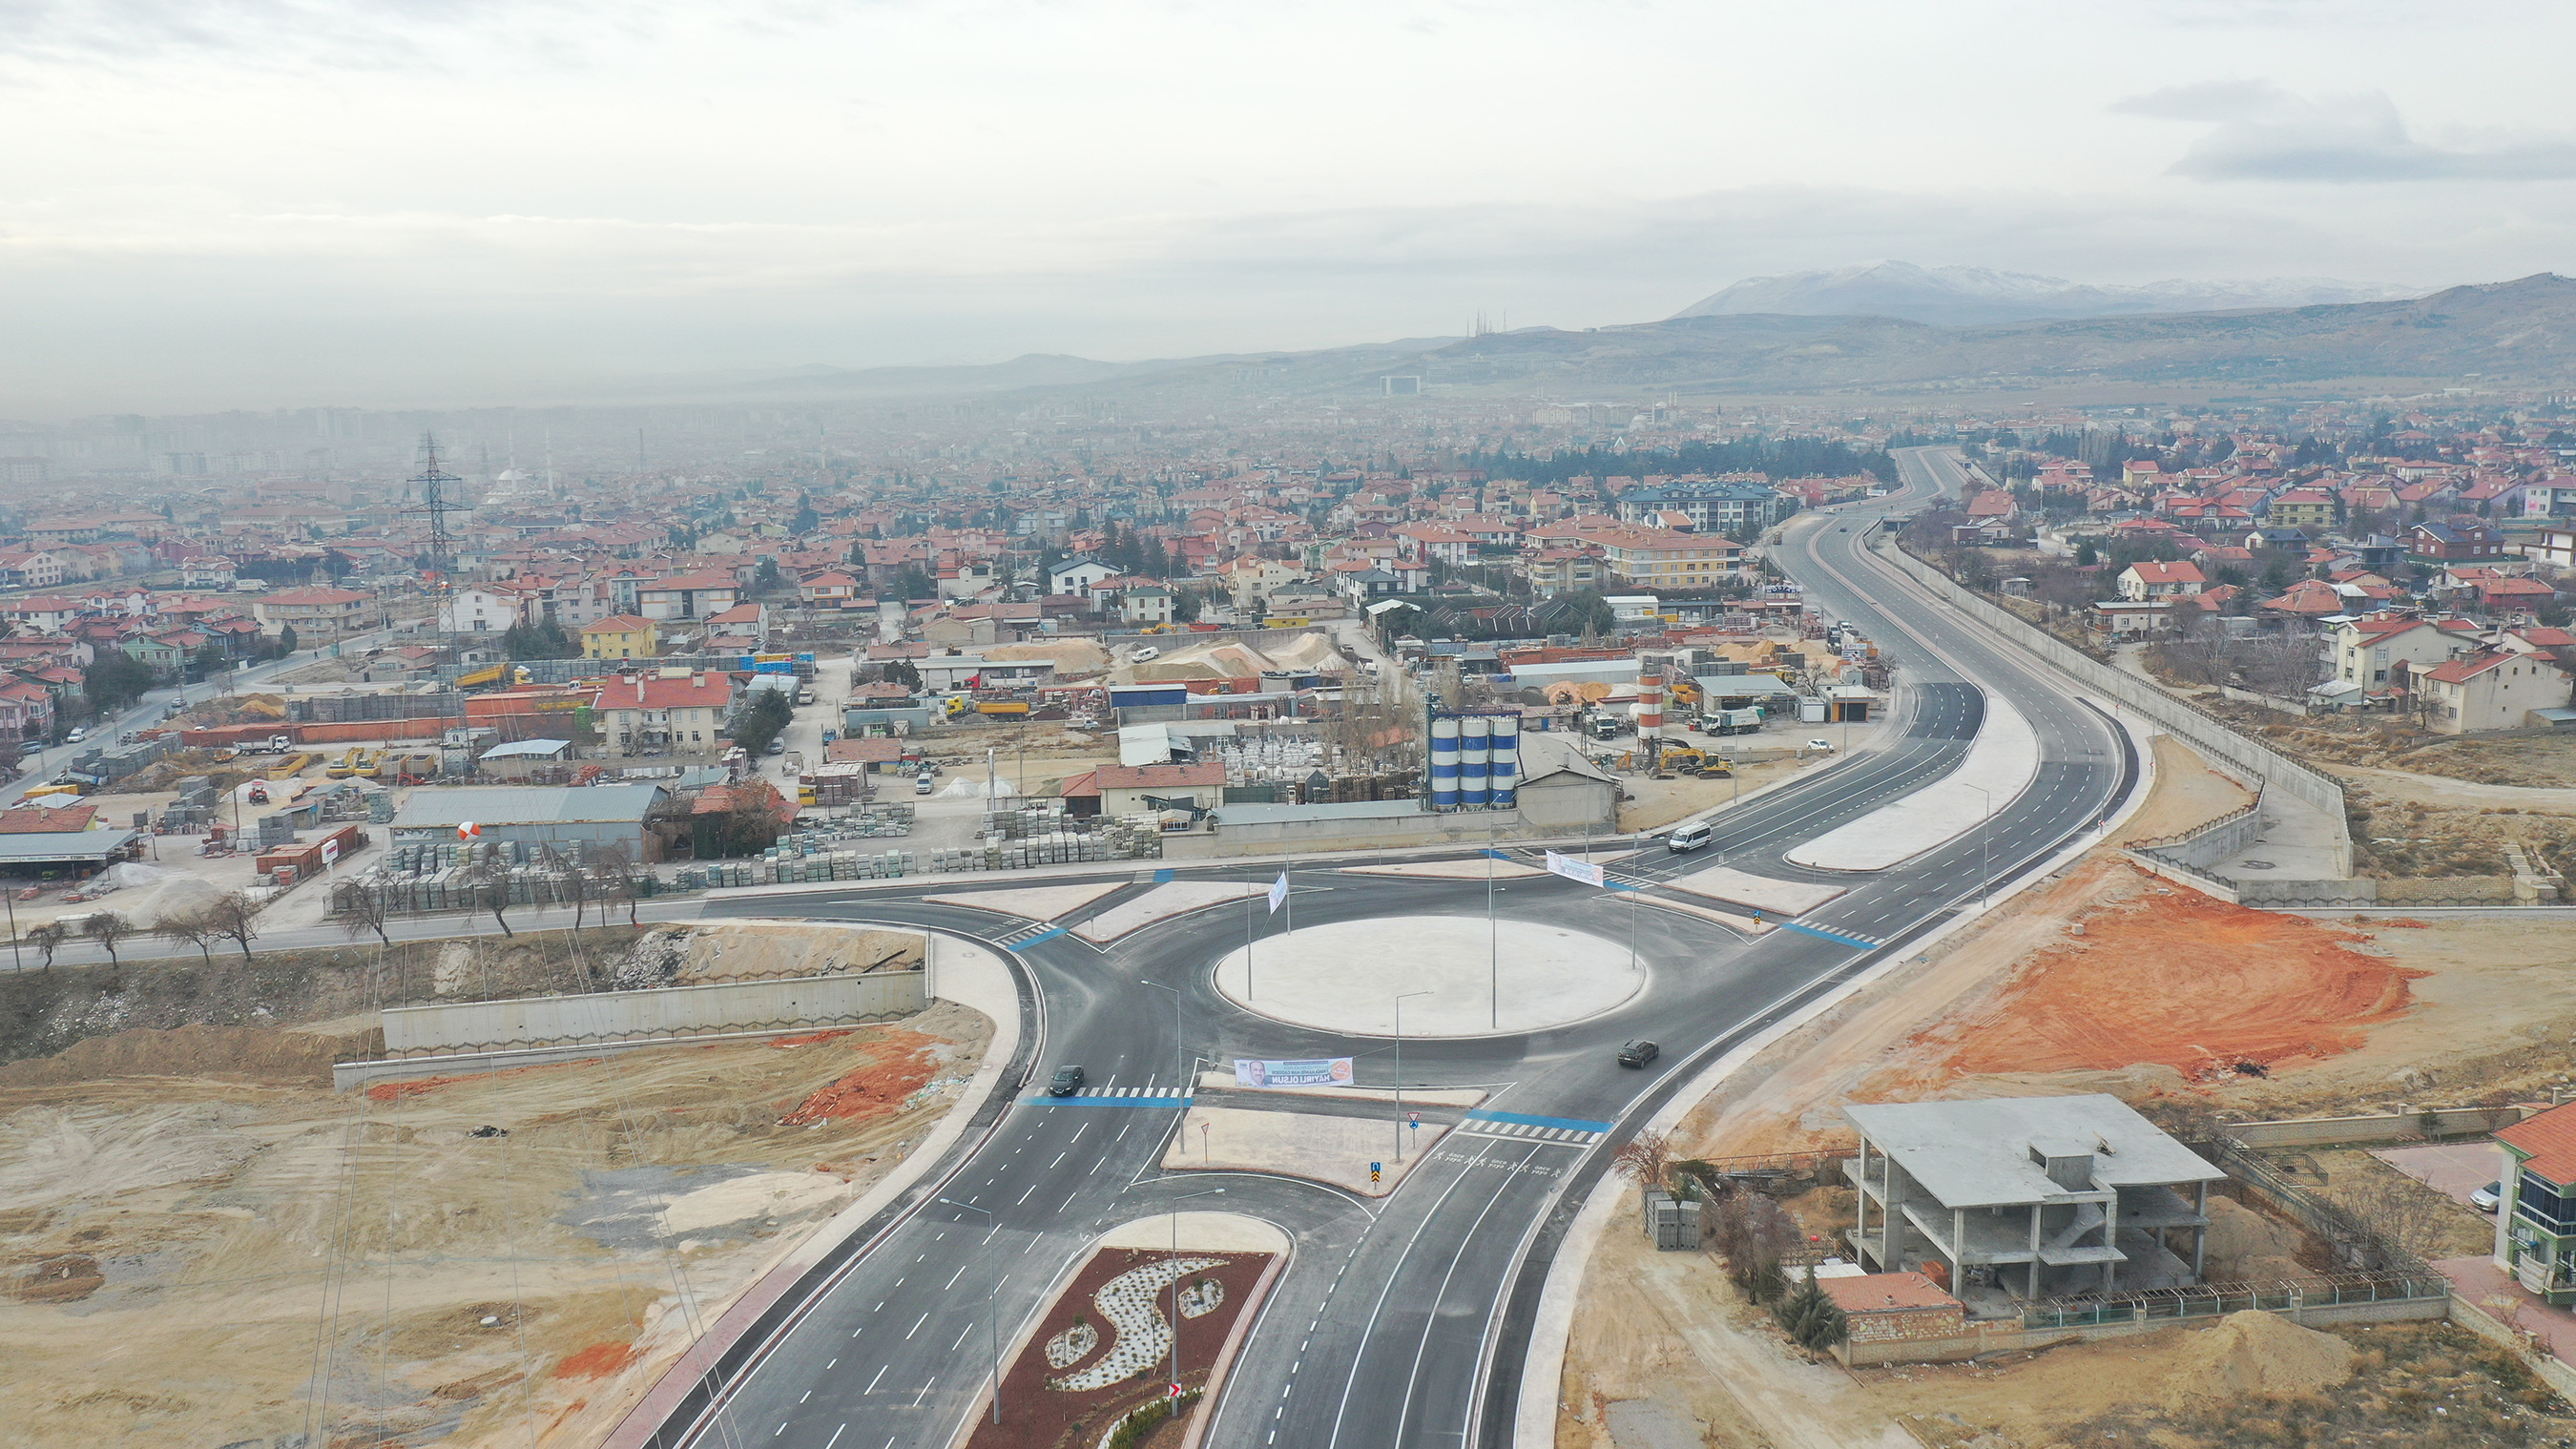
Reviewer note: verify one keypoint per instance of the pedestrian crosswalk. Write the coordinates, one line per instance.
(1030, 935)
(1522, 1127)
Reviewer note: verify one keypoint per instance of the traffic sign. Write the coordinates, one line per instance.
(1373, 1172)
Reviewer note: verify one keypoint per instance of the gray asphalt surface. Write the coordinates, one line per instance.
(1402, 1321)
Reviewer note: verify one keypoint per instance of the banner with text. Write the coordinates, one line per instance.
(1572, 869)
(1322, 1072)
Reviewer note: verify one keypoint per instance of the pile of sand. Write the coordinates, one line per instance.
(147, 895)
(2245, 1246)
(2252, 1353)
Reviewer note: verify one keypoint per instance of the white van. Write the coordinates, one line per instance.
(1689, 837)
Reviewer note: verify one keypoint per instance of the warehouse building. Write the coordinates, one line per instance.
(566, 818)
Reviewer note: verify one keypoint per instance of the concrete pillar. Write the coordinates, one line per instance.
(1958, 1249)
(2033, 1291)
(2199, 1235)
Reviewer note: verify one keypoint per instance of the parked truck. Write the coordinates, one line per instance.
(1730, 721)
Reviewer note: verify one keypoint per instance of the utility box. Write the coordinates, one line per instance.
(1675, 1224)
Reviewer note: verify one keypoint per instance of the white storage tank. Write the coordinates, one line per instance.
(1507, 760)
(1444, 762)
(1475, 761)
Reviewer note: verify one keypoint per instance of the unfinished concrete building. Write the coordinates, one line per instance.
(2036, 1197)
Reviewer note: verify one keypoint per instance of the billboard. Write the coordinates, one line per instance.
(1320, 1072)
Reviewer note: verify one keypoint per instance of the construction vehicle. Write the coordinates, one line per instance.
(1682, 757)
(345, 766)
(489, 674)
(1730, 721)
(1602, 726)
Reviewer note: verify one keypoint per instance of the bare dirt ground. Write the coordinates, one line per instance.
(201, 1242)
(2157, 999)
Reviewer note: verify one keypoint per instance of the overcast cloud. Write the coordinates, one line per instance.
(289, 202)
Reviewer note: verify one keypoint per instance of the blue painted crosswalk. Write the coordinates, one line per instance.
(1570, 1131)
(1861, 942)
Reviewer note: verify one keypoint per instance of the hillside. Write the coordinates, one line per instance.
(1979, 296)
(2512, 334)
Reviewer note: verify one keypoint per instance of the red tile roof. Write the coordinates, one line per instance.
(2550, 1139)
(1885, 1293)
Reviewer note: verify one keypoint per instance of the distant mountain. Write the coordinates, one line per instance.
(1977, 296)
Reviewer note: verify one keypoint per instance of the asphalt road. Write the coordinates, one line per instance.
(1405, 1320)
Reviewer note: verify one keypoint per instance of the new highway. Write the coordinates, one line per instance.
(1404, 1320)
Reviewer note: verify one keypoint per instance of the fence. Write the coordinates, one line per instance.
(2200, 731)
(349, 708)
(2298, 1298)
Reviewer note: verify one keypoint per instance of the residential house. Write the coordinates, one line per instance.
(2490, 690)
(830, 589)
(318, 616)
(619, 636)
(2552, 547)
(1663, 559)
(688, 595)
(2301, 508)
(673, 712)
(2455, 540)
(2150, 580)
(484, 609)
(26, 709)
(2364, 650)
(2535, 1230)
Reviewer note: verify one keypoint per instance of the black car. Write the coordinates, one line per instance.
(1067, 1081)
(1639, 1053)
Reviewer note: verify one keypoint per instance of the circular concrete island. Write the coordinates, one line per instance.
(1344, 977)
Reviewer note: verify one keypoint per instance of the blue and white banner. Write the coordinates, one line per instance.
(1572, 869)
(1322, 1072)
(1278, 891)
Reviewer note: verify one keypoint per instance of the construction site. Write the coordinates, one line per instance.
(206, 1241)
(2208, 1017)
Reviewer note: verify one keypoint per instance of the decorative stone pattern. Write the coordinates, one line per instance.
(1072, 1346)
(1202, 1297)
(1142, 1336)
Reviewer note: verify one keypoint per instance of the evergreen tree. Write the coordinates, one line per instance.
(1814, 1321)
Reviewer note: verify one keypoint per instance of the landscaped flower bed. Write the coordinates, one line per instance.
(1104, 1347)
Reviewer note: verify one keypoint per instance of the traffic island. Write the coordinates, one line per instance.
(1459, 976)
(1359, 1154)
(1102, 1352)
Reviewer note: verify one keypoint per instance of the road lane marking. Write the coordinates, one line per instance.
(836, 1436)
(916, 1327)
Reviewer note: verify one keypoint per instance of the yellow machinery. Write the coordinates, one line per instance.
(345, 766)
(1682, 757)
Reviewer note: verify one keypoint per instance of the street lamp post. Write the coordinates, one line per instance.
(1181, 1085)
(992, 1310)
(1176, 1288)
(1399, 1069)
(1493, 940)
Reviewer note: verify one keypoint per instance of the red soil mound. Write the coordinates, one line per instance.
(899, 1064)
(2185, 980)
(596, 1362)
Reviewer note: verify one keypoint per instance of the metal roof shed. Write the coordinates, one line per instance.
(566, 816)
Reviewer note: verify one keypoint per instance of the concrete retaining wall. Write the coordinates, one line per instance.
(348, 1075)
(2487, 1326)
(671, 1011)
(2221, 839)
(2222, 744)
(2372, 1127)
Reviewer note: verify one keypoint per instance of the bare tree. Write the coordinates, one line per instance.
(48, 938)
(1646, 1159)
(487, 884)
(613, 872)
(1754, 1234)
(233, 918)
(189, 929)
(369, 910)
(107, 928)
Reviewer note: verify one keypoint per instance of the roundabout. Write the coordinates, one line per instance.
(1459, 976)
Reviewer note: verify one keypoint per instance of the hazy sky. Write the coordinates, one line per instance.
(213, 203)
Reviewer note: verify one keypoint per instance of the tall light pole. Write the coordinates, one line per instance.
(1985, 839)
(992, 1309)
(1182, 1086)
(1399, 1069)
(1493, 939)
(1176, 1289)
